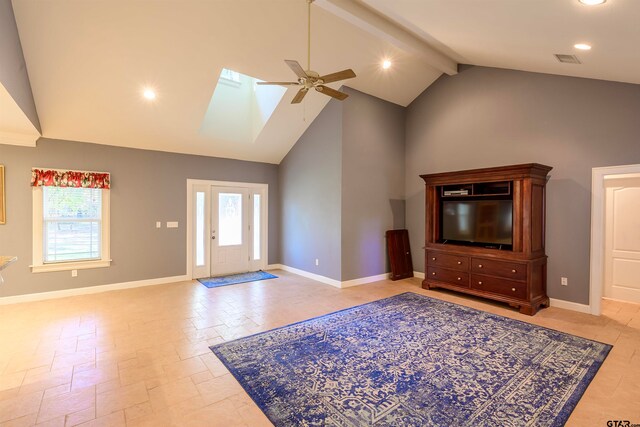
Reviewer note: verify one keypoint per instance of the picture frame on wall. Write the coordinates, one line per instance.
(3, 209)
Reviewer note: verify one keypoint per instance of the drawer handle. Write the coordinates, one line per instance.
(459, 278)
(514, 271)
(433, 259)
(433, 274)
(459, 262)
(513, 289)
(479, 283)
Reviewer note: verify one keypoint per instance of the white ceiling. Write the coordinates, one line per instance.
(89, 60)
(524, 34)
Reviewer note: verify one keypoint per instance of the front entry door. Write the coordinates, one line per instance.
(622, 238)
(229, 230)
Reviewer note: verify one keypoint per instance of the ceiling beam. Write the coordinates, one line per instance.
(379, 25)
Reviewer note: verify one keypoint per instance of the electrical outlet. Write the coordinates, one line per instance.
(74, 273)
(564, 281)
(158, 224)
(317, 261)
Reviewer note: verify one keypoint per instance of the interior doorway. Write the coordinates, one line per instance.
(622, 238)
(615, 235)
(226, 228)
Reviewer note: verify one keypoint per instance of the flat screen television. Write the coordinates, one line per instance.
(479, 222)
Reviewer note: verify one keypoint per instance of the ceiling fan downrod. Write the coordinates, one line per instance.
(309, 34)
(309, 79)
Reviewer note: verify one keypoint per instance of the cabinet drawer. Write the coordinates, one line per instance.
(457, 262)
(458, 278)
(509, 270)
(499, 286)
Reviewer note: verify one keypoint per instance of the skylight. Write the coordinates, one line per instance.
(239, 108)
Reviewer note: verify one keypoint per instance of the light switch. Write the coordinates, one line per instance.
(158, 224)
(172, 224)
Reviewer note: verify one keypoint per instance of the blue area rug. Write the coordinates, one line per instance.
(411, 360)
(214, 282)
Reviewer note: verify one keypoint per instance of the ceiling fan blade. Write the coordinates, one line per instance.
(340, 75)
(332, 92)
(299, 96)
(278, 83)
(297, 68)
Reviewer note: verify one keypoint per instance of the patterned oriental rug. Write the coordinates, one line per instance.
(411, 360)
(214, 282)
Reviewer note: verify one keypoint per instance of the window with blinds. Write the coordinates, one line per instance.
(72, 224)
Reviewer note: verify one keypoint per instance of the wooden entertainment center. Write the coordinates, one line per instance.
(511, 268)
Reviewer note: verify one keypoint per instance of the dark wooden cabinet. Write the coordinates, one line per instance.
(514, 273)
(399, 254)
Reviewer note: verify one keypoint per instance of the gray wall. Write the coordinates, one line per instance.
(372, 181)
(486, 117)
(13, 71)
(310, 188)
(147, 186)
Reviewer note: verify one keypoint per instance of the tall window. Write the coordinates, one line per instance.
(201, 239)
(72, 224)
(256, 227)
(70, 220)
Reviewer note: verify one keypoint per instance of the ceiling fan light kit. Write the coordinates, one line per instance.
(309, 79)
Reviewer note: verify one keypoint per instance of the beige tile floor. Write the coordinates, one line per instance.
(140, 357)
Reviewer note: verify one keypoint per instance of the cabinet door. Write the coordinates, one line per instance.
(399, 254)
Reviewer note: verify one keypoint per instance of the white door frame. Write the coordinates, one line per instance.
(596, 282)
(191, 183)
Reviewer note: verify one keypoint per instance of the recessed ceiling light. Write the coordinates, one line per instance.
(149, 94)
(592, 2)
(386, 64)
(582, 46)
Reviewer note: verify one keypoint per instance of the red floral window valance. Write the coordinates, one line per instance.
(58, 178)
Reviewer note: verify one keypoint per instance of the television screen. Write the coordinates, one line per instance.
(478, 221)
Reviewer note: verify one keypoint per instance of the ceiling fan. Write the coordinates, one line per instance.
(309, 79)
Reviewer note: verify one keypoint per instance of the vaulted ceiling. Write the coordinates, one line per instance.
(88, 61)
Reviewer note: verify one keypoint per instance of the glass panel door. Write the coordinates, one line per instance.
(230, 219)
(228, 227)
(229, 230)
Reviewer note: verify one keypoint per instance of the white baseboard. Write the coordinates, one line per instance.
(316, 277)
(568, 305)
(364, 280)
(90, 290)
(328, 280)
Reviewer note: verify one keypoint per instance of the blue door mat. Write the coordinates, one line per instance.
(214, 282)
